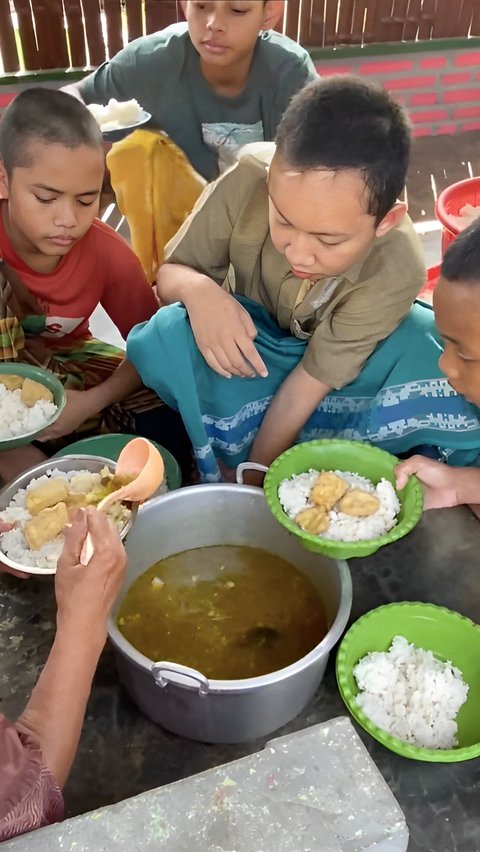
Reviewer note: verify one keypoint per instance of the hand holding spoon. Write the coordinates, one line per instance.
(141, 463)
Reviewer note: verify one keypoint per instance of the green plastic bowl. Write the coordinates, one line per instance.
(110, 447)
(44, 377)
(449, 636)
(348, 456)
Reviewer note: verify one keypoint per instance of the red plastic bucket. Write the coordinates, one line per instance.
(449, 204)
(433, 274)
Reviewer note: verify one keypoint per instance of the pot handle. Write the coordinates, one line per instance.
(161, 672)
(241, 468)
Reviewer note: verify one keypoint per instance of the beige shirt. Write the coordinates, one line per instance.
(342, 318)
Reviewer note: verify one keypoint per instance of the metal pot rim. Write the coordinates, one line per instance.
(248, 684)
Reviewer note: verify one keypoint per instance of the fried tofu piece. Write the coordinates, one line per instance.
(45, 526)
(328, 490)
(314, 520)
(77, 500)
(358, 503)
(48, 494)
(11, 382)
(33, 391)
(85, 481)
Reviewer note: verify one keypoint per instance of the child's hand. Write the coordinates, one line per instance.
(224, 332)
(438, 480)
(80, 407)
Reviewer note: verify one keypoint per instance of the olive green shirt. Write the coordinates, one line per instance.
(342, 318)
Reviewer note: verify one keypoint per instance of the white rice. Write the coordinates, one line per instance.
(18, 419)
(294, 495)
(116, 114)
(14, 544)
(410, 694)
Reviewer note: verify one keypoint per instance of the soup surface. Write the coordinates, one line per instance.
(230, 612)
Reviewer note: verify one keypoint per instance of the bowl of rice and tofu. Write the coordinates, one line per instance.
(339, 497)
(31, 399)
(409, 674)
(42, 502)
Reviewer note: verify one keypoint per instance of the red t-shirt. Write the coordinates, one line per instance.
(100, 268)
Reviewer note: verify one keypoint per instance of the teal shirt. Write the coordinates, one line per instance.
(162, 71)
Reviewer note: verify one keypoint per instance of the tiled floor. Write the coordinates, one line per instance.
(436, 162)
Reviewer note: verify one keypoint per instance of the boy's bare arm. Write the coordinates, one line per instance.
(81, 405)
(175, 282)
(55, 711)
(223, 329)
(292, 405)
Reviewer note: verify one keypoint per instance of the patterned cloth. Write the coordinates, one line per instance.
(15, 303)
(29, 795)
(400, 400)
(83, 366)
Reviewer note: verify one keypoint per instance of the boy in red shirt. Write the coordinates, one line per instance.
(59, 262)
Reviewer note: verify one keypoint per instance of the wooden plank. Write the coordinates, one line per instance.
(113, 18)
(317, 24)
(50, 32)
(291, 19)
(345, 18)
(359, 22)
(27, 34)
(389, 23)
(95, 43)
(380, 24)
(8, 47)
(399, 14)
(446, 19)
(475, 25)
(427, 17)
(412, 20)
(75, 33)
(159, 14)
(133, 10)
(465, 16)
(308, 9)
(330, 17)
(370, 23)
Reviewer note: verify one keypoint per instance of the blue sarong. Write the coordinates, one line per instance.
(400, 400)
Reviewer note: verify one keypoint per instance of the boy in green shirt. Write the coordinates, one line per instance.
(213, 84)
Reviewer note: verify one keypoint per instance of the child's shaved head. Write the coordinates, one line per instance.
(46, 116)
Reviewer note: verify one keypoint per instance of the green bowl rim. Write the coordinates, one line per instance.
(330, 546)
(452, 755)
(32, 369)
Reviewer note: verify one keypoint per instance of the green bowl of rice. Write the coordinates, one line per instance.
(398, 514)
(19, 425)
(422, 709)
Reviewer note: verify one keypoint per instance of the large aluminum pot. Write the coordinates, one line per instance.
(182, 699)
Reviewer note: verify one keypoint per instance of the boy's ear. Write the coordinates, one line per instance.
(392, 219)
(3, 181)
(183, 4)
(274, 10)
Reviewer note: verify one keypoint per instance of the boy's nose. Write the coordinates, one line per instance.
(299, 255)
(447, 366)
(215, 22)
(65, 216)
